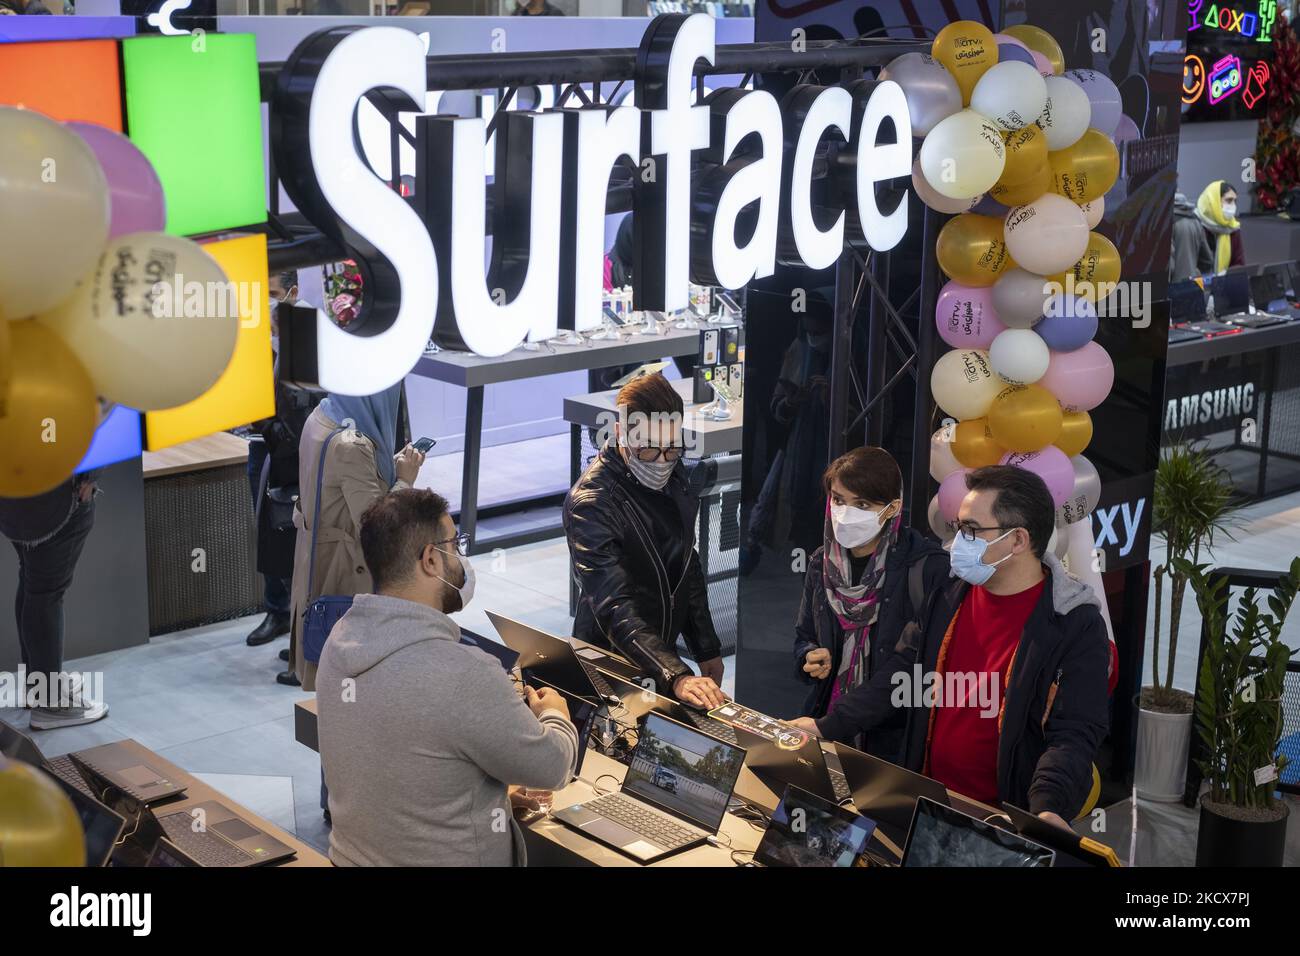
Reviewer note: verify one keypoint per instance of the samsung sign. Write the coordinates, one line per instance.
(750, 205)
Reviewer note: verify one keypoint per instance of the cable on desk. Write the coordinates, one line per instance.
(742, 853)
(595, 784)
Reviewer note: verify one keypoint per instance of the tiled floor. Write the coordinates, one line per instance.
(206, 701)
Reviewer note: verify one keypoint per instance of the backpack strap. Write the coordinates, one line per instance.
(916, 584)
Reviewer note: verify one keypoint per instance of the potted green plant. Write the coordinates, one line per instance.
(1239, 720)
(1193, 506)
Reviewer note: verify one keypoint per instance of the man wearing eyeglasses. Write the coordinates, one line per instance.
(630, 523)
(1016, 656)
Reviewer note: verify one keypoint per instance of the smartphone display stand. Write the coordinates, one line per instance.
(716, 410)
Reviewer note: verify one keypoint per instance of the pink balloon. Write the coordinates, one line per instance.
(1050, 464)
(136, 201)
(1008, 38)
(965, 316)
(953, 489)
(1043, 63)
(1081, 379)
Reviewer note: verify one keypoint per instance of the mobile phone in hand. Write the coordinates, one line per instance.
(422, 445)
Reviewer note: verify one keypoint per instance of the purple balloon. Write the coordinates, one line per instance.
(136, 201)
(952, 491)
(1126, 130)
(1050, 464)
(1013, 51)
(1103, 94)
(965, 317)
(1070, 323)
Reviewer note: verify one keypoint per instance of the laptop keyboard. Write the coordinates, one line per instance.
(712, 726)
(206, 849)
(63, 768)
(635, 816)
(597, 679)
(840, 785)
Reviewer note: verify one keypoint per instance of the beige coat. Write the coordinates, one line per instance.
(351, 484)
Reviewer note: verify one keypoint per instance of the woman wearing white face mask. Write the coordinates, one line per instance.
(1217, 211)
(862, 585)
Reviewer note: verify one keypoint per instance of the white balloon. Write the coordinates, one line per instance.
(54, 211)
(1085, 495)
(945, 531)
(931, 91)
(1066, 112)
(964, 155)
(1012, 94)
(942, 463)
(1019, 356)
(1020, 297)
(1093, 211)
(1048, 235)
(937, 201)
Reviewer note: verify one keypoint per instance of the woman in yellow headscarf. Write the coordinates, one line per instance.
(1217, 211)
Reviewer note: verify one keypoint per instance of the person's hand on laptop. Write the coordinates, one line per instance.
(548, 698)
(805, 724)
(817, 663)
(1051, 817)
(698, 691)
(712, 669)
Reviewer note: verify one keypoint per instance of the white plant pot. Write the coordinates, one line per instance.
(1160, 771)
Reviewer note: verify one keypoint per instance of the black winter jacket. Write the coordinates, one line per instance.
(1056, 706)
(817, 625)
(632, 553)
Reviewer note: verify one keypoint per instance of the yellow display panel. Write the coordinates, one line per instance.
(246, 390)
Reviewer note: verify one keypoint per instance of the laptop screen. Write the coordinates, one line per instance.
(806, 830)
(1266, 288)
(505, 655)
(942, 836)
(1231, 293)
(1186, 302)
(16, 745)
(687, 773)
(168, 854)
(101, 825)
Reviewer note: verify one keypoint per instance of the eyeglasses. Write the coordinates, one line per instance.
(969, 531)
(462, 544)
(654, 453)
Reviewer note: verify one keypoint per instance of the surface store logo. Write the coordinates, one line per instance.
(751, 203)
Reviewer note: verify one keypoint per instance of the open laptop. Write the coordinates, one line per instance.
(1072, 849)
(168, 854)
(506, 656)
(1232, 304)
(793, 758)
(217, 836)
(1268, 292)
(1186, 303)
(673, 797)
(943, 837)
(552, 660)
(885, 791)
(636, 700)
(101, 824)
(806, 830)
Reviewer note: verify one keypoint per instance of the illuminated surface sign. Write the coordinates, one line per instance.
(754, 203)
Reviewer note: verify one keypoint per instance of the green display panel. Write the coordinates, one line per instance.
(193, 107)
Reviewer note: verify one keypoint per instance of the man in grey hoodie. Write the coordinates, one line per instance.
(421, 735)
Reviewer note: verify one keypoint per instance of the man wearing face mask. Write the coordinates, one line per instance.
(630, 523)
(422, 737)
(1015, 651)
(863, 586)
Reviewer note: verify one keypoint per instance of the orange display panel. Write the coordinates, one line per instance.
(64, 79)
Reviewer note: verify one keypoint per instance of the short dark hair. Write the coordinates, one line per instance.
(869, 472)
(648, 394)
(1022, 501)
(394, 531)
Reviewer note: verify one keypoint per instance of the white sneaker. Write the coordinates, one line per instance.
(52, 718)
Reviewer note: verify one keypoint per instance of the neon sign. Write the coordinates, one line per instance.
(1257, 26)
(1224, 78)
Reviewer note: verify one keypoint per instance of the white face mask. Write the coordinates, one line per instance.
(1229, 210)
(854, 527)
(466, 590)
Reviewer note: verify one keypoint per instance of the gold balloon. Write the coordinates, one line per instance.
(972, 250)
(1026, 156)
(1040, 41)
(1026, 192)
(51, 414)
(967, 49)
(1076, 433)
(973, 444)
(1099, 266)
(1025, 418)
(38, 824)
(1085, 171)
(6, 361)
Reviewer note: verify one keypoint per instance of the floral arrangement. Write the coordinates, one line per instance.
(343, 287)
(1278, 164)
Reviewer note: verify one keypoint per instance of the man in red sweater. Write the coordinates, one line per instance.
(1003, 676)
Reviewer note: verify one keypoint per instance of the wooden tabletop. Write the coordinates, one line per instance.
(211, 451)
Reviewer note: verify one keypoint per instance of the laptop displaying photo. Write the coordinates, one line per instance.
(673, 797)
(943, 837)
(215, 836)
(806, 830)
(101, 824)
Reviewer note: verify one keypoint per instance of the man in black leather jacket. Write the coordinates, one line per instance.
(630, 523)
